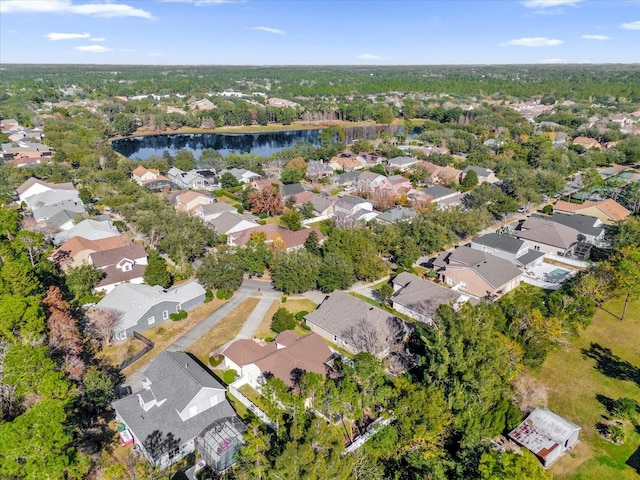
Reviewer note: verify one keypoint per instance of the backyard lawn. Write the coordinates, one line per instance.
(600, 366)
(224, 331)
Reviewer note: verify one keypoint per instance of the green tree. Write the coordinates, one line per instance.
(98, 387)
(470, 180)
(291, 175)
(80, 280)
(156, 272)
(221, 269)
(307, 210)
(227, 180)
(295, 272)
(283, 320)
(124, 124)
(312, 243)
(503, 465)
(291, 220)
(184, 160)
(336, 272)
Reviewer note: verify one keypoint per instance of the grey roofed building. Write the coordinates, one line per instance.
(177, 402)
(51, 197)
(33, 186)
(89, 229)
(440, 192)
(292, 189)
(346, 178)
(508, 247)
(321, 203)
(241, 174)
(144, 306)
(229, 222)
(46, 212)
(348, 202)
(420, 298)
(590, 227)
(344, 319)
(545, 232)
(318, 169)
(506, 243)
(402, 162)
(62, 219)
(481, 171)
(212, 210)
(396, 214)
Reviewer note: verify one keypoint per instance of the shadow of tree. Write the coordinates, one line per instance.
(157, 443)
(607, 403)
(634, 460)
(611, 365)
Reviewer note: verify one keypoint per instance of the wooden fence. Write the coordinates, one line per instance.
(148, 345)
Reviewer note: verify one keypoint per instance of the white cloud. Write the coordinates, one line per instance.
(554, 60)
(55, 36)
(533, 42)
(107, 10)
(550, 3)
(596, 37)
(368, 56)
(631, 25)
(92, 48)
(270, 30)
(97, 39)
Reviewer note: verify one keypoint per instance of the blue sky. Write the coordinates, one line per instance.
(336, 32)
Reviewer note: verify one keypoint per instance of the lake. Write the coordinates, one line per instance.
(264, 144)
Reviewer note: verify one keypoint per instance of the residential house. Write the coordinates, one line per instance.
(276, 236)
(200, 179)
(403, 164)
(370, 159)
(211, 211)
(587, 143)
(543, 235)
(509, 248)
(191, 201)
(60, 214)
(369, 182)
(396, 214)
(89, 229)
(203, 104)
(591, 228)
(229, 222)
(286, 358)
(559, 140)
(419, 299)
(347, 179)
(348, 205)
(608, 211)
(178, 408)
(242, 175)
(399, 184)
(33, 186)
(546, 434)
(260, 183)
(120, 265)
(25, 153)
(477, 272)
(145, 306)
(292, 190)
(323, 206)
(485, 175)
(75, 251)
(347, 162)
(317, 170)
(353, 324)
(438, 193)
(140, 174)
(439, 175)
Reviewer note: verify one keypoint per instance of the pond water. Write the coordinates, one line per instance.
(264, 144)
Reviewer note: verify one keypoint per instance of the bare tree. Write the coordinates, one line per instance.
(379, 339)
(528, 393)
(101, 322)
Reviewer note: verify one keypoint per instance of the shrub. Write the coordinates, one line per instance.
(306, 327)
(301, 314)
(624, 409)
(269, 339)
(229, 376)
(283, 300)
(283, 320)
(616, 433)
(547, 209)
(223, 294)
(176, 317)
(215, 360)
(208, 296)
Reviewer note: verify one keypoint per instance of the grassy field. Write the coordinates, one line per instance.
(294, 306)
(224, 331)
(600, 366)
(162, 335)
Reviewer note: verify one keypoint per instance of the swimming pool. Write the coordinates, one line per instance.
(557, 274)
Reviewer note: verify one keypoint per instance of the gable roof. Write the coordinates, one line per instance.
(89, 229)
(584, 224)
(546, 232)
(494, 270)
(53, 186)
(348, 202)
(292, 189)
(104, 258)
(438, 191)
(229, 220)
(291, 238)
(217, 207)
(609, 207)
(75, 245)
(505, 243)
(481, 171)
(403, 161)
(176, 378)
(396, 214)
(339, 311)
(420, 295)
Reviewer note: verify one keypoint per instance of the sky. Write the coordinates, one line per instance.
(327, 32)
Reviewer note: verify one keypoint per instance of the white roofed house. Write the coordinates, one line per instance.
(509, 248)
(402, 163)
(177, 408)
(242, 175)
(547, 435)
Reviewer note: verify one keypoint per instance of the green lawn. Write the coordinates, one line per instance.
(604, 363)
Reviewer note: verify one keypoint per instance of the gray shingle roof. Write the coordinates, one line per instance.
(582, 223)
(396, 214)
(438, 191)
(494, 270)
(292, 189)
(506, 243)
(481, 171)
(89, 229)
(339, 311)
(546, 232)
(420, 295)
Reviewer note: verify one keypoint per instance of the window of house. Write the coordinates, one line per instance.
(178, 308)
(151, 320)
(121, 335)
(165, 314)
(449, 281)
(463, 285)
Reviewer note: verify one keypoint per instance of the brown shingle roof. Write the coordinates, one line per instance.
(111, 257)
(75, 245)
